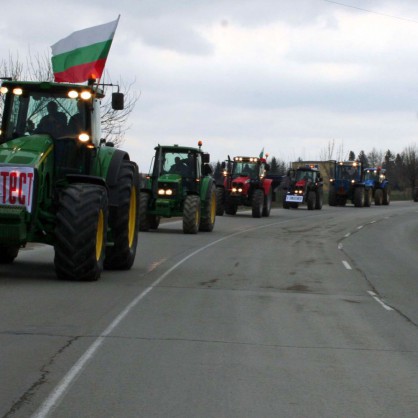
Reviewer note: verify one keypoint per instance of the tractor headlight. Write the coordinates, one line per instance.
(166, 192)
(83, 137)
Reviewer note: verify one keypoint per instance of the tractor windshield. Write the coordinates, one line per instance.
(347, 172)
(374, 175)
(304, 175)
(181, 163)
(245, 169)
(35, 112)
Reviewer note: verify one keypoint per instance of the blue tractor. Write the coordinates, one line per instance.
(347, 184)
(375, 180)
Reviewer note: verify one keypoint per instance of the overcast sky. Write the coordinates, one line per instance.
(287, 75)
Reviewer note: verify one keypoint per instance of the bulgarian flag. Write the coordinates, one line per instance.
(82, 55)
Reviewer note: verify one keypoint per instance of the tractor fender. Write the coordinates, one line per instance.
(112, 163)
(80, 178)
(267, 186)
(206, 183)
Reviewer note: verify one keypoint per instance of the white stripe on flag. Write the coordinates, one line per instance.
(86, 37)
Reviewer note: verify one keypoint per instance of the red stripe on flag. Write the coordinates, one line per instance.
(81, 73)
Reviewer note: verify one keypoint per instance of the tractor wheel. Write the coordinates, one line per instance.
(268, 198)
(191, 214)
(124, 221)
(332, 197)
(311, 200)
(220, 201)
(208, 221)
(285, 204)
(230, 207)
(257, 203)
(319, 199)
(80, 232)
(359, 197)
(386, 196)
(367, 198)
(146, 221)
(8, 254)
(378, 197)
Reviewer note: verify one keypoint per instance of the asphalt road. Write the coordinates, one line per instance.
(302, 314)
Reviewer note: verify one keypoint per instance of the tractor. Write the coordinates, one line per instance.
(180, 184)
(375, 180)
(305, 186)
(61, 184)
(245, 183)
(347, 184)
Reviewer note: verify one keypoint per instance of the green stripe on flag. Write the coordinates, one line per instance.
(81, 56)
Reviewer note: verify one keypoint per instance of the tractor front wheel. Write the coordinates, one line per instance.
(268, 198)
(191, 214)
(319, 199)
(124, 220)
(359, 197)
(207, 222)
(80, 232)
(367, 198)
(332, 197)
(386, 196)
(8, 253)
(146, 221)
(257, 203)
(311, 200)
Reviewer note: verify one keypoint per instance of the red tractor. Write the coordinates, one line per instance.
(303, 185)
(245, 184)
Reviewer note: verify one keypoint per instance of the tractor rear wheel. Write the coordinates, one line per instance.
(359, 197)
(8, 253)
(257, 203)
(311, 200)
(124, 220)
(207, 222)
(191, 214)
(220, 201)
(268, 198)
(386, 196)
(378, 197)
(80, 232)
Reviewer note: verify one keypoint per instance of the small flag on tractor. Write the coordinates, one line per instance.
(262, 153)
(82, 55)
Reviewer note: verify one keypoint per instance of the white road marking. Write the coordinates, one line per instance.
(347, 235)
(346, 265)
(340, 245)
(378, 300)
(54, 398)
(372, 222)
(360, 226)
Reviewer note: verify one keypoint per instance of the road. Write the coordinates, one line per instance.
(301, 314)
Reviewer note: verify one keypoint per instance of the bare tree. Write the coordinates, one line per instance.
(327, 153)
(39, 68)
(375, 157)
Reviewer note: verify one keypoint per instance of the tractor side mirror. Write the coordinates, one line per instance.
(205, 157)
(223, 164)
(117, 101)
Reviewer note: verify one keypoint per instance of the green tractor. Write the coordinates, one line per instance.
(180, 185)
(60, 184)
